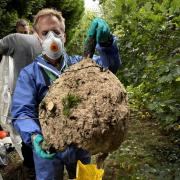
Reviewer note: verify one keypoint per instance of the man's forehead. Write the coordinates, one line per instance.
(50, 20)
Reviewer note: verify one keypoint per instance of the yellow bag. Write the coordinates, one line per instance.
(88, 172)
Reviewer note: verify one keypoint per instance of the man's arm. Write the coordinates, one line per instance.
(109, 57)
(24, 107)
(7, 45)
(99, 37)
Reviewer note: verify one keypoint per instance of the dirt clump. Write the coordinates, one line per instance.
(86, 106)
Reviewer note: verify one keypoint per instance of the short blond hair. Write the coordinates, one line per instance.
(46, 12)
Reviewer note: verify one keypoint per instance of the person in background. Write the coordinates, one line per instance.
(34, 81)
(10, 47)
(22, 26)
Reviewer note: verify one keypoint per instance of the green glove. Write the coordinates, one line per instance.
(37, 141)
(99, 29)
(98, 32)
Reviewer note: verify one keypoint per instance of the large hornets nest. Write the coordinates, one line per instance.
(87, 107)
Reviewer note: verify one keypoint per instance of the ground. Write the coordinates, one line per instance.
(146, 154)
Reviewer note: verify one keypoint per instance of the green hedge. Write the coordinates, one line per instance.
(149, 34)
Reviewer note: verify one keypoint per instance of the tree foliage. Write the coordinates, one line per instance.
(11, 10)
(75, 44)
(149, 33)
(7, 18)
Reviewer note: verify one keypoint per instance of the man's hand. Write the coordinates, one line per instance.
(39, 147)
(98, 32)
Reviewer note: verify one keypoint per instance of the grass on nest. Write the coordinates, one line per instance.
(69, 102)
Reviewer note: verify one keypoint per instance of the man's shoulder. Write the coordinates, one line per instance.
(17, 40)
(20, 36)
(26, 37)
(73, 59)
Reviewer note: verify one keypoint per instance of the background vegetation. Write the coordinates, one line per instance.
(149, 33)
(11, 10)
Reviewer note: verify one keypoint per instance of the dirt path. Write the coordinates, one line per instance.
(146, 154)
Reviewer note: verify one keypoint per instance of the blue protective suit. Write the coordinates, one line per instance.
(31, 88)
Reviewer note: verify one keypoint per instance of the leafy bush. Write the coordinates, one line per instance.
(149, 34)
(78, 35)
(11, 10)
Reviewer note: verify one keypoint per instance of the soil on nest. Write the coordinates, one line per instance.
(86, 106)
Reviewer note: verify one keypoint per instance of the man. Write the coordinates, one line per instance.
(22, 26)
(16, 47)
(33, 83)
(23, 49)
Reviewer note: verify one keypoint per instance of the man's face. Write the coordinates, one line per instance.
(50, 23)
(23, 29)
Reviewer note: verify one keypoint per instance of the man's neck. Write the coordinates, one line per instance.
(56, 63)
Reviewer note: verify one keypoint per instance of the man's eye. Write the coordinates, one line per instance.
(56, 32)
(45, 33)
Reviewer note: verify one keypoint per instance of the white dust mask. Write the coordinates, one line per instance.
(52, 46)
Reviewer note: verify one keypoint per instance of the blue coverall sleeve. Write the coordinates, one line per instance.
(24, 109)
(108, 57)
